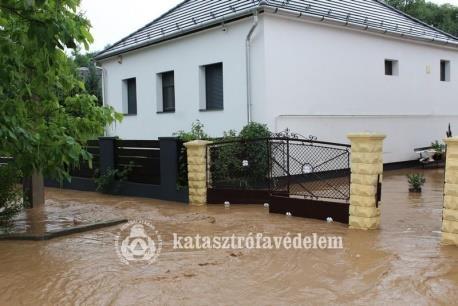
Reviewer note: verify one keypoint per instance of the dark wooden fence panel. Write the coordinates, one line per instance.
(84, 170)
(143, 157)
(149, 144)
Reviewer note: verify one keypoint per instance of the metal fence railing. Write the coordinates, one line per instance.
(310, 169)
(296, 167)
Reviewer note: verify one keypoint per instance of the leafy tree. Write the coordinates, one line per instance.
(89, 73)
(444, 17)
(47, 115)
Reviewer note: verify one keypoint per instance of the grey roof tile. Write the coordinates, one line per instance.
(193, 15)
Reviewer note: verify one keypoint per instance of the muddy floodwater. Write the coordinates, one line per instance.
(401, 264)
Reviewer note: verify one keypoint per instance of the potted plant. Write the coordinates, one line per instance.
(439, 150)
(416, 181)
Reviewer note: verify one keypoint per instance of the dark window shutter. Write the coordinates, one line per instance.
(388, 67)
(443, 71)
(168, 91)
(214, 86)
(131, 96)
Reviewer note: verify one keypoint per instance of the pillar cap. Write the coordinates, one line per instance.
(366, 136)
(451, 140)
(197, 143)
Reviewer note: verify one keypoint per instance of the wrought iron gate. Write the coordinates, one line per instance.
(310, 169)
(310, 178)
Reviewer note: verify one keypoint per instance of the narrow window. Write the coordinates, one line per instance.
(391, 67)
(445, 71)
(130, 96)
(168, 91)
(214, 87)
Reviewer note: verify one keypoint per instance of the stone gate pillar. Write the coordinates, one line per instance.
(450, 212)
(366, 167)
(197, 171)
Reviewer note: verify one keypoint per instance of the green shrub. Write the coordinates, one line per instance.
(11, 202)
(254, 130)
(110, 182)
(197, 132)
(228, 160)
(439, 148)
(416, 181)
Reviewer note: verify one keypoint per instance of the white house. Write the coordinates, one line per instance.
(318, 67)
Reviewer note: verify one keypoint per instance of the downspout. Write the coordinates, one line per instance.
(103, 83)
(248, 66)
(103, 91)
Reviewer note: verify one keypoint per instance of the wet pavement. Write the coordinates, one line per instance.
(401, 264)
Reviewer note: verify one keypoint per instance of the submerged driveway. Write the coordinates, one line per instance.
(403, 263)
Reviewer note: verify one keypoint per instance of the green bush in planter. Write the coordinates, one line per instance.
(416, 181)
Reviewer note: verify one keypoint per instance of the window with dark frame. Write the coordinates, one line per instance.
(131, 96)
(388, 67)
(391, 67)
(214, 87)
(445, 71)
(168, 91)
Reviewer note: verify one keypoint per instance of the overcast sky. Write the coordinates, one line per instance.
(112, 19)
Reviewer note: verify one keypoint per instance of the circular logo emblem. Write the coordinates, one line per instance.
(138, 241)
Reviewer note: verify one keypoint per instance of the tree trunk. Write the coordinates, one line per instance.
(34, 190)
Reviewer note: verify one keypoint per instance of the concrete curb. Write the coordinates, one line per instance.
(62, 232)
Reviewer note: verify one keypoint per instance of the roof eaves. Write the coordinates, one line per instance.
(416, 20)
(453, 42)
(224, 19)
(100, 54)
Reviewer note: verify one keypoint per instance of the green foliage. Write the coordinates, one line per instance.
(416, 181)
(245, 161)
(92, 77)
(443, 17)
(439, 148)
(227, 160)
(47, 115)
(197, 133)
(254, 130)
(110, 181)
(10, 193)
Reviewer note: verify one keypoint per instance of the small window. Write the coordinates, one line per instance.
(214, 94)
(391, 67)
(168, 91)
(129, 99)
(445, 71)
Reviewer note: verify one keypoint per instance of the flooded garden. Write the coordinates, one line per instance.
(401, 263)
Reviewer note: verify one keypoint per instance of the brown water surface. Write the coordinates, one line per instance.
(401, 264)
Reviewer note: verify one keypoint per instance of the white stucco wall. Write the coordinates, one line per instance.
(328, 81)
(185, 55)
(313, 78)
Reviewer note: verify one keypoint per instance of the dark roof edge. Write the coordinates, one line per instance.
(140, 29)
(451, 43)
(248, 12)
(225, 19)
(415, 19)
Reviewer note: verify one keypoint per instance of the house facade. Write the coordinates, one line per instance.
(317, 68)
